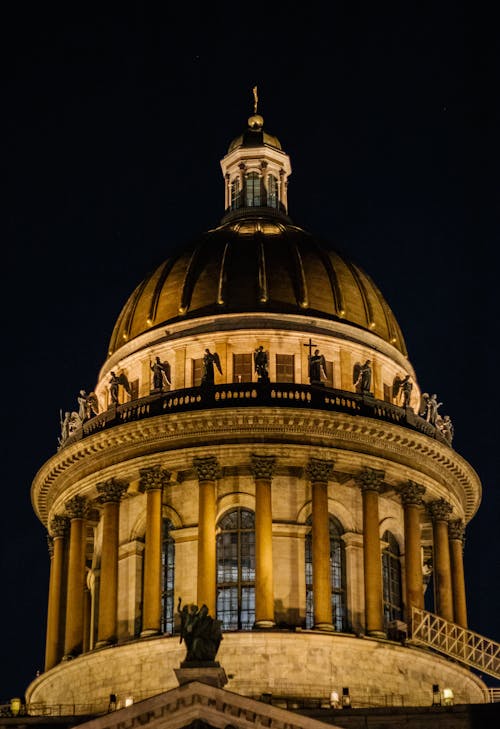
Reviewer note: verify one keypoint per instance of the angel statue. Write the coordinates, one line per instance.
(88, 405)
(317, 368)
(402, 386)
(160, 374)
(115, 382)
(260, 364)
(209, 359)
(70, 423)
(362, 376)
(429, 407)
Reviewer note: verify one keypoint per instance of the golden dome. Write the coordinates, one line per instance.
(257, 263)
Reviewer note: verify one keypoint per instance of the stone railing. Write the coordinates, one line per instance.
(252, 394)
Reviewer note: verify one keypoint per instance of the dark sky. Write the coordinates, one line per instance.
(113, 126)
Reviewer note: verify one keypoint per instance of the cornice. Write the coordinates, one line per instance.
(171, 436)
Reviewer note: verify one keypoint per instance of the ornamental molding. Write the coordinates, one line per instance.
(370, 479)
(439, 510)
(111, 491)
(319, 471)
(153, 478)
(412, 493)
(263, 467)
(276, 427)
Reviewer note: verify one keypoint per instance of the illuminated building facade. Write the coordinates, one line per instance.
(306, 500)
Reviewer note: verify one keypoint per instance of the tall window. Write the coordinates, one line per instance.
(235, 194)
(337, 576)
(197, 371)
(167, 577)
(391, 572)
(236, 570)
(272, 192)
(242, 367)
(252, 190)
(285, 368)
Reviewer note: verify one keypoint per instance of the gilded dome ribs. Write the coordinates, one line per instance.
(188, 283)
(363, 293)
(338, 299)
(262, 282)
(222, 284)
(127, 326)
(166, 268)
(300, 283)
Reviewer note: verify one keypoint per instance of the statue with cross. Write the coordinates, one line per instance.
(317, 365)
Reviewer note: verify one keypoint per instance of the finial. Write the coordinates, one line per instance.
(255, 122)
(255, 99)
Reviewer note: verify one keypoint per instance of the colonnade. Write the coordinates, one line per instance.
(68, 613)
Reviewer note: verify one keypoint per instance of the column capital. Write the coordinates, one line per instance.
(439, 510)
(50, 545)
(411, 493)
(370, 479)
(77, 507)
(154, 477)
(319, 470)
(456, 529)
(263, 466)
(59, 526)
(207, 468)
(111, 491)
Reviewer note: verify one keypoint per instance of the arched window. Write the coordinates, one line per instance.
(337, 576)
(272, 192)
(167, 577)
(391, 572)
(236, 570)
(252, 190)
(235, 194)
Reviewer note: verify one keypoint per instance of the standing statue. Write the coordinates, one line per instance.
(260, 364)
(200, 632)
(402, 386)
(209, 360)
(362, 376)
(88, 405)
(70, 423)
(445, 426)
(317, 368)
(115, 382)
(160, 374)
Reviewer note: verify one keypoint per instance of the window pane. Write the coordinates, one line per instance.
(242, 367)
(167, 577)
(285, 369)
(197, 371)
(236, 570)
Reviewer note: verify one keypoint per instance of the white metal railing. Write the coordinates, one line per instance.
(459, 643)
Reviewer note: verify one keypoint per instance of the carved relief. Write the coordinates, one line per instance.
(319, 470)
(370, 479)
(111, 490)
(77, 507)
(207, 468)
(263, 466)
(154, 477)
(411, 493)
(439, 510)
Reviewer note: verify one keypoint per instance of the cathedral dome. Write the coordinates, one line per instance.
(255, 262)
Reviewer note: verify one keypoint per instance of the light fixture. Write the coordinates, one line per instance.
(447, 697)
(334, 700)
(129, 701)
(346, 699)
(15, 706)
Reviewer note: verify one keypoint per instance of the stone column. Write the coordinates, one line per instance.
(53, 647)
(319, 472)
(456, 530)
(411, 497)
(262, 468)
(370, 482)
(440, 511)
(110, 493)
(208, 471)
(77, 509)
(152, 481)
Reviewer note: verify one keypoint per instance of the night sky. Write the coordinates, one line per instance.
(113, 127)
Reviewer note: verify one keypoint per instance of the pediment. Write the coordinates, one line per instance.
(197, 705)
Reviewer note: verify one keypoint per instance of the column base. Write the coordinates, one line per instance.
(376, 634)
(209, 672)
(264, 624)
(326, 627)
(149, 632)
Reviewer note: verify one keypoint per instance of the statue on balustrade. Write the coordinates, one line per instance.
(200, 632)
(210, 359)
(402, 386)
(362, 376)
(260, 361)
(88, 405)
(317, 368)
(114, 384)
(161, 372)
